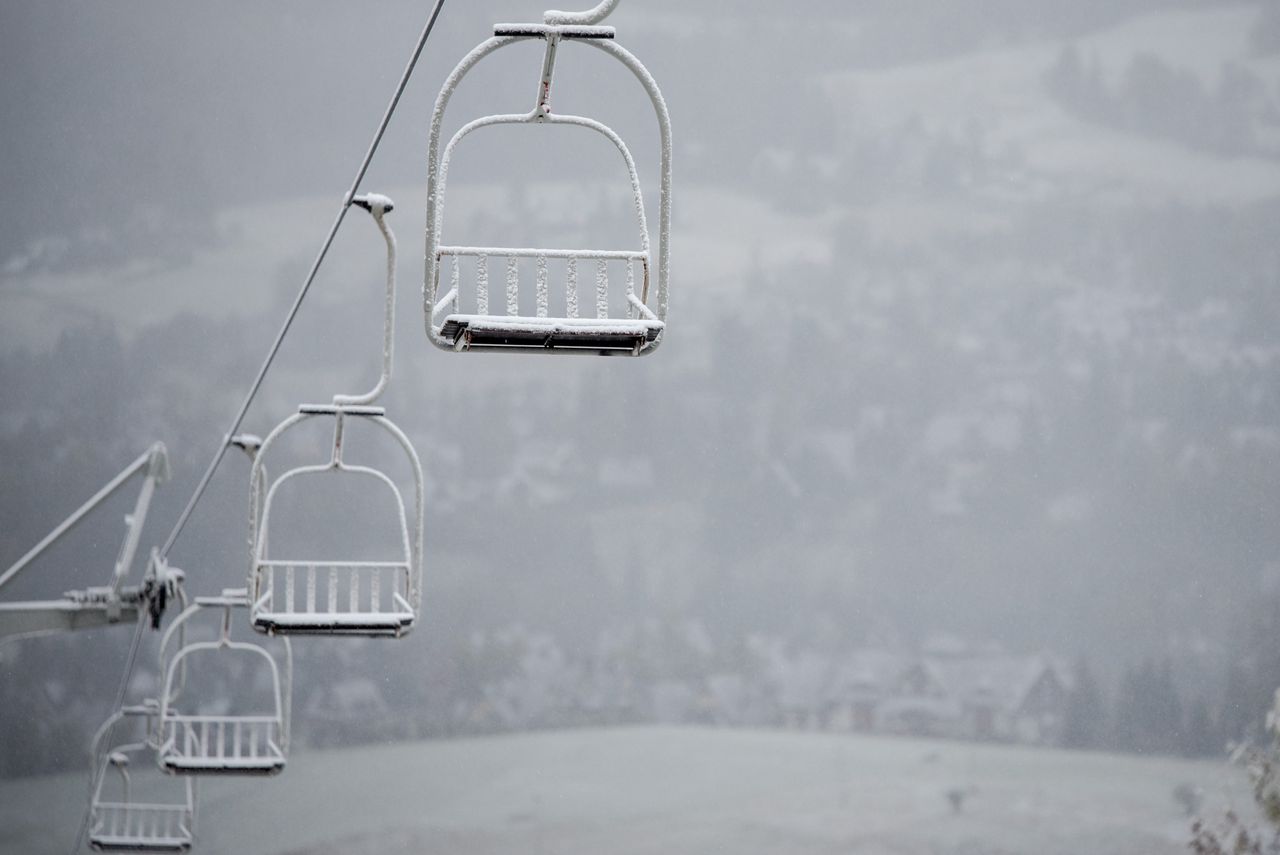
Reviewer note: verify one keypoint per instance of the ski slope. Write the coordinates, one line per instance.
(674, 791)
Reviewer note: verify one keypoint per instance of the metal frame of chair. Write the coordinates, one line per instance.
(317, 596)
(641, 330)
(123, 824)
(223, 744)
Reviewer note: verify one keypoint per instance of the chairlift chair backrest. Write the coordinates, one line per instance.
(633, 325)
(244, 742)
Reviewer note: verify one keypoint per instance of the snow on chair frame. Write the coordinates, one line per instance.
(239, 743)
(119, 822)
(315, 595)
(601, 331)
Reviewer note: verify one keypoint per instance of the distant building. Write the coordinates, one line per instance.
(984, 695)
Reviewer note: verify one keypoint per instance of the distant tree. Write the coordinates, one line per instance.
(1084, 722)
(1233, 836)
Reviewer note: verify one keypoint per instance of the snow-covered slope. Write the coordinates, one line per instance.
(666, 790)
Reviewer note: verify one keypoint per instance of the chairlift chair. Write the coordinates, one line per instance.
(632, 326)
(238, 743)
(315, 595)
(119, 822)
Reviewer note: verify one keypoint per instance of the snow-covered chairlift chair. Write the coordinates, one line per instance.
(120, 822)
(238, 743)
(315, 595)
(633, 326)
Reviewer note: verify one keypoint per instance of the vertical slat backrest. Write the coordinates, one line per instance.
(571, 287)
(513, 286)
(541, 287)
(482, 284)
(602, 289)
(631, 288)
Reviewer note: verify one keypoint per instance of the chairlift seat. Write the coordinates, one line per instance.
(324, 596)
(222, 744)
(131, 827)
(626, 321)
(331, 598)
(244, 742)
(118, 823)
(479, 332)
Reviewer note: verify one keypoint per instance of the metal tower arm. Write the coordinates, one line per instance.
(99, 606)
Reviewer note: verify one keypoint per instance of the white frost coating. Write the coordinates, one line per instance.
(251, 742)
(431, 272)
(577, 326)
(118, 820)
(591, 16)
(513, 286)
(564, 31)
(530, 252)
(438, 163)
(482, 285)
(602, 289)
(571, 287)
(378, 203)
(631, 289)
(454, 277)
(542, 286)
(379, 206)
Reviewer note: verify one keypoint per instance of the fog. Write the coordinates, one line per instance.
(970, 371)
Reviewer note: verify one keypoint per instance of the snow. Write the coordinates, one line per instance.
(566, 326)
(379, 203)
(570, 288)
(542, 295)
(482, 283)
(594, 15)
(675, 791)
(602, 289)
(513, 286)
(438, 166)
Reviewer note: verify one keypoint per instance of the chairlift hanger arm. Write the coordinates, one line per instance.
(347, 201)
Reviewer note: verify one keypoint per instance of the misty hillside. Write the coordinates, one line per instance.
(974, 333)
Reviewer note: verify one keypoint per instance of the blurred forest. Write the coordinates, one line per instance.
(998, 362)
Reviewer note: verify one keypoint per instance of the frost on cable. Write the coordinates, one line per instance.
(631, 282)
